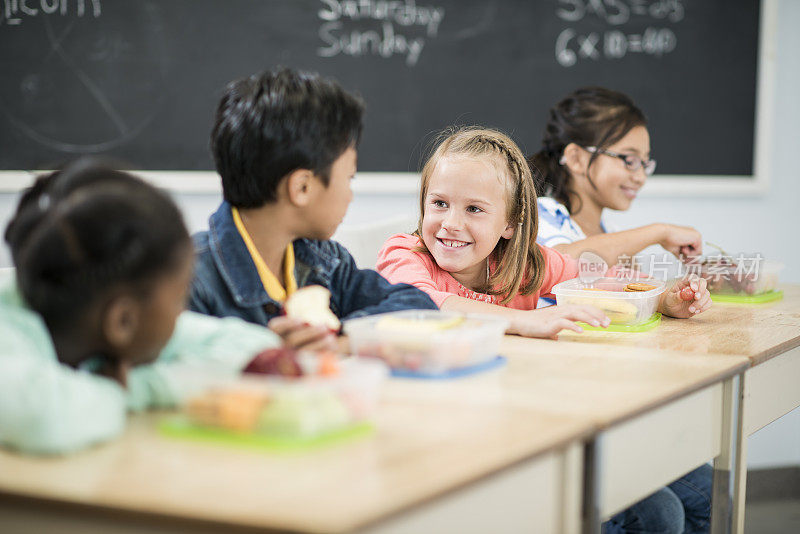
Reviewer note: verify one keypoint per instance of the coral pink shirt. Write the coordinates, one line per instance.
(398, 262)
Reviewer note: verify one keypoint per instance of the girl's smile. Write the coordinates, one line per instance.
(452, 243)
(630, 192)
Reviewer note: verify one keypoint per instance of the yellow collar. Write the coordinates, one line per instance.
(271, 284)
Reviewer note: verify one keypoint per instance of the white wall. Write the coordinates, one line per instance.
(767, 223)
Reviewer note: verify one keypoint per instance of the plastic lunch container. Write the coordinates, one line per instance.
(427, 341)
(287, 411)
(745, 275)
(622, 307)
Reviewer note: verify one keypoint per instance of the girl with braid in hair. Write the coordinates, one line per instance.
(92, 321)
(475, 250)
(475, 247)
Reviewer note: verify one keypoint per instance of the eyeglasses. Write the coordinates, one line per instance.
(632, 163)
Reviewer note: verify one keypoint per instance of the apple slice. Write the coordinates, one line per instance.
(312, 304)
(281, 361)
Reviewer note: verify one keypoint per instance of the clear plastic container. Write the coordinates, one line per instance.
(288, 410)
(608, 294)
(427, 341)
(743, 274)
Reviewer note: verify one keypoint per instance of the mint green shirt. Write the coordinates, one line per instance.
(47, 407)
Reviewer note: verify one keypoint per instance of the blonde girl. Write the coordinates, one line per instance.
(475, 247)
(475, 250)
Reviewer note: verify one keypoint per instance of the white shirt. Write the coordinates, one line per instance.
(556, 226)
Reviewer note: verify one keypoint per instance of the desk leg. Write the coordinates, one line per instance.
(572, 489)
(727, 512)
(590, 508)
(741, 486)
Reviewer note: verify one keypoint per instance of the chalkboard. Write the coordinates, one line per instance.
(140, 80)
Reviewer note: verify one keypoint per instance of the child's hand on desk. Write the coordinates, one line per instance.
(298, 334)
(687, 297)
(548, 322)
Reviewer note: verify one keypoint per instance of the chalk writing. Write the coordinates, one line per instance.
(616, 12)
(341, 35)
(572, 46)
(14, 11)
(613, 44)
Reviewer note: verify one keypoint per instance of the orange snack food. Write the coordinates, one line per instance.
(234, 410)
(639, 286)
(328, 363)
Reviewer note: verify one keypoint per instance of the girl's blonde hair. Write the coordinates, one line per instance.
(520, 262)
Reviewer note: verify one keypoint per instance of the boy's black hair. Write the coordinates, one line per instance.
(84, 231)
(276, 122)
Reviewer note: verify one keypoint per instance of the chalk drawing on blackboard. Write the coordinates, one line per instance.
(73, 97)
(485, 24)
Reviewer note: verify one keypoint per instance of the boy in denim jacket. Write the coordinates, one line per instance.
(284, 144)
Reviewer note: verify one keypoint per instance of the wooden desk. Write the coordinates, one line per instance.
(497, 451)
(428, 467)
(659, 414)
(767, 334)
(758, 331)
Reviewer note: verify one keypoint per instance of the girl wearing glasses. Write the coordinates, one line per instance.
(595, 155)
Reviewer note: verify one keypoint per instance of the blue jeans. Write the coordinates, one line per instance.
(661, 512)
(683, 506)
(694, 491)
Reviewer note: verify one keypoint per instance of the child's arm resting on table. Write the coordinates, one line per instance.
(199, 344)
(546, 323)
(685, 298)
(358, 292)
(49, 408)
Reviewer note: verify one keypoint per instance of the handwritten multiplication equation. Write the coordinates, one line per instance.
(573, 45)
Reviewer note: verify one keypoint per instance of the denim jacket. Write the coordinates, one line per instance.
(226, 282)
